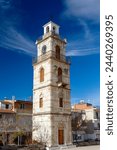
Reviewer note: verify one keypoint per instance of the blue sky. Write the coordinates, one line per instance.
(21, 24)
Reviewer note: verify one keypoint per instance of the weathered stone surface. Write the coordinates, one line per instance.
(49, 119)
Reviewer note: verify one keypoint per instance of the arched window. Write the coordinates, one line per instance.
(54, 29)
(41, 75)
(57, 52)
(47, 29)
(60, 102)
(41, 102)
(59, 75)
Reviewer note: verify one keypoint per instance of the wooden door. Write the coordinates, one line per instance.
(60, 136)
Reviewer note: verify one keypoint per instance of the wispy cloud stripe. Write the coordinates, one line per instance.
(5, 4)
(83, 52)
(13, 40)
(85, 14)
(10, 37)
(88, 9)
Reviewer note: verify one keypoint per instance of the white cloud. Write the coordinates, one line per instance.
(83, 13)
(86, 28)
(86, 9)
(82, 52)
(13, 40)
(10, 37)
(5, 4)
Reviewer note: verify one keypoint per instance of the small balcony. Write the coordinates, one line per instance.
(51, 54)
(53, 34)
(61, 82)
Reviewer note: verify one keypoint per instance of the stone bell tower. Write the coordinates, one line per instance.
(51, 90)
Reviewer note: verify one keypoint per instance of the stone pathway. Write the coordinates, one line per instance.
(96, 147)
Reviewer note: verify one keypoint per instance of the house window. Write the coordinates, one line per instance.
(57, 52)
(41, 75)
(74, 137)
(60, 102)
(0, 116)
(41, 102)
(7, 106)
(79, 137)
(22, 106)
(47, 29)
(98, 125)
(59, 75)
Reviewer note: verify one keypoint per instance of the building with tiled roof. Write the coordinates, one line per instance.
(86, 118)
(15, 118)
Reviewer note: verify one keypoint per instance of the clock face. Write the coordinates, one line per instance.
(44, 49)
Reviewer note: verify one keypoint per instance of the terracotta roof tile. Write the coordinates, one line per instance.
(82, 106)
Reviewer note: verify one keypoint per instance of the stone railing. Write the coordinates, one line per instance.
(47, 35)
(51, 54)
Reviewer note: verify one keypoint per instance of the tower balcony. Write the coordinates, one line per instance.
(61, 82)
(49, 34)
(51, 54)
(52, 33)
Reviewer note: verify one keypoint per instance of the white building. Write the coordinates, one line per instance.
(91, 116)
(51, 90)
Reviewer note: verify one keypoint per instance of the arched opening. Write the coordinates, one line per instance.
(59, 75)
(54, 29)
(41, 75)
(41, 102)
(60, 102)
(57, 52)
(47, 29)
